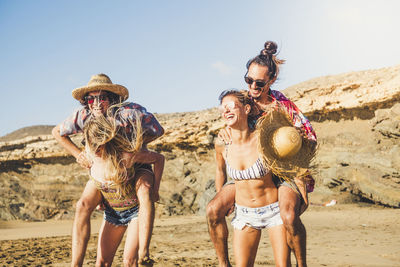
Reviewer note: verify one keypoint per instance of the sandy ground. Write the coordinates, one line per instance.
(342, 235)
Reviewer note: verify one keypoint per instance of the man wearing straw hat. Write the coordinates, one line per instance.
(97, 97)
(262, 71)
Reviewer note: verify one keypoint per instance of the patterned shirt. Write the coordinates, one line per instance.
(125, 116)
(299, 121)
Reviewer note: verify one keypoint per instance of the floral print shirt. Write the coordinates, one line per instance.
(125, 116)
(299, 121)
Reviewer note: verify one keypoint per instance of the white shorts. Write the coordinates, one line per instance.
(258, 218)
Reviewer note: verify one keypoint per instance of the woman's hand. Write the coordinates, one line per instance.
(83, 160)
(225, 136)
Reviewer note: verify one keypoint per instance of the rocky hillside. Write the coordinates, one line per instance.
(26, 132)
(349, 95)
(356, 117)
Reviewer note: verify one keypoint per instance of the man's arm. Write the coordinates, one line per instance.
(220, 174)
(300, 121)
(65, 142)
(73, 149)
(150, 138)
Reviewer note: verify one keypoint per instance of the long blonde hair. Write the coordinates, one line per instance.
(108, 141)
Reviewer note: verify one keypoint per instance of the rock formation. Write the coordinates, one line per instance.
(356, 116)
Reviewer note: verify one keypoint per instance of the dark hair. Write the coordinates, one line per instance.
(112, 98)
(267, 58)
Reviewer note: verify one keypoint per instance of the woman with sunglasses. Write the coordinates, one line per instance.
(262, 72)
(256, 197)
(96, 98)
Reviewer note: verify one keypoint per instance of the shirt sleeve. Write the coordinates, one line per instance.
(74, 123)
(151, 127)
(299, 120)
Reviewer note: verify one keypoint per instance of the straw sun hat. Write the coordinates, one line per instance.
(100, 82)
(282, 148)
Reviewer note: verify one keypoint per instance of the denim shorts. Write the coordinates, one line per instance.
(257, 218)
(120, 217)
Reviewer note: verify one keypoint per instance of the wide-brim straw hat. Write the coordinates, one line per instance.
(294, 164)
(100, 82)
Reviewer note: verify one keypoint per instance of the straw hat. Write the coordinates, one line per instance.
(286, 153)
(100, 82)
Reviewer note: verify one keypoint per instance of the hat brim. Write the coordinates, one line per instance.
(120, 90)
(286, 168)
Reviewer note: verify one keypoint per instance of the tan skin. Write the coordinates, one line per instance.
(289, 201)
(97, 108)
(110, 236)
(91, 197)
(250, 193)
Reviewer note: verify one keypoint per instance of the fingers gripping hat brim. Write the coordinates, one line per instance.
(286, 168)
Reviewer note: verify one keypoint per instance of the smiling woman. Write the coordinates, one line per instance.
(256, 196)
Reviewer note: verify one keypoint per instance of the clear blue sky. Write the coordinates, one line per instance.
(177, 55)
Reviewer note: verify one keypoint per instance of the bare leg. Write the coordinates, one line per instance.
(90, 198)
(277, 236)
(301, 185)
(245, 245)
(110, 237)
(144, 186)
(131, 244)
(217, 209)
(289, 204)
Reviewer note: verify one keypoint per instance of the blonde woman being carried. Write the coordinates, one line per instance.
(117, 173)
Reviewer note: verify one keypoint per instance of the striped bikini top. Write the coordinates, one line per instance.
(256, 171)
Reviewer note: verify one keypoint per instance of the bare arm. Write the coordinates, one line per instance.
(73, 149)
(158, 160)
(220, 174)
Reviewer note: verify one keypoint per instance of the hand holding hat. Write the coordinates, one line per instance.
(283, 149)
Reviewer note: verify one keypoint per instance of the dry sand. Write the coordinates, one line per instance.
(342, 235)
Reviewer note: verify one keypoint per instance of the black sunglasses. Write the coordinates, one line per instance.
(250, 81)
(89, 99)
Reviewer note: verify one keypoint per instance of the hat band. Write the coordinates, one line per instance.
(99, 81)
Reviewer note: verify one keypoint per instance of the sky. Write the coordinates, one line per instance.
(177, 55)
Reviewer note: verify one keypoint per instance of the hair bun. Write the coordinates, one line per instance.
(270, 48)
